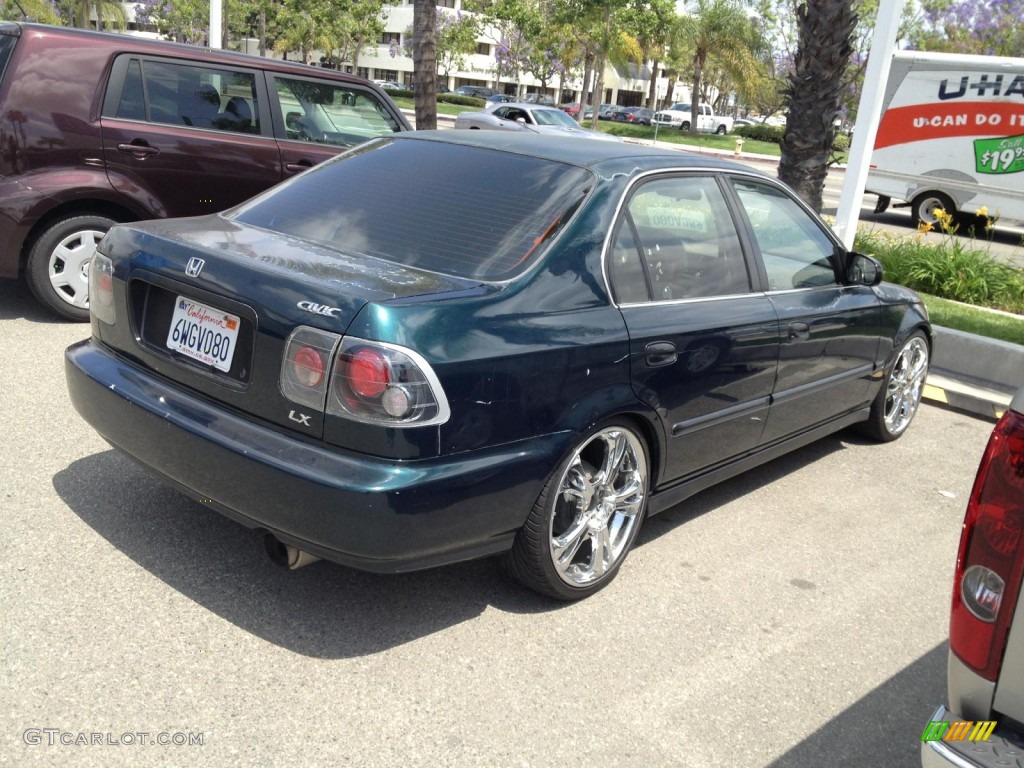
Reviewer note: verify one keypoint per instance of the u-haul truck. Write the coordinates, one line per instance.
(951, 136)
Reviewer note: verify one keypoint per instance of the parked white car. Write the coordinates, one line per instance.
(517, 116)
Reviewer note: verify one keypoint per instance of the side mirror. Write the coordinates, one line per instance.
(863, 270)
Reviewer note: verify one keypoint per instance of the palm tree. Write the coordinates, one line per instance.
(719, 29)
(825, 43)
(424, 63)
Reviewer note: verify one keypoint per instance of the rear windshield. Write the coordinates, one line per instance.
(457, 210)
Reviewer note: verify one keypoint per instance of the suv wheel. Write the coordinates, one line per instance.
(58, 264)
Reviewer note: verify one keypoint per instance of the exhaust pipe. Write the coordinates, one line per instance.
(286, 555)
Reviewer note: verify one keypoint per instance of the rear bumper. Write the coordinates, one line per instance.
(369, 513)
(1005, 747)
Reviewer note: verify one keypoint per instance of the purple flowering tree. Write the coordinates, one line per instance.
(988, 27)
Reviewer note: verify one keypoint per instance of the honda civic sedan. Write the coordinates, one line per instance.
(354, 364)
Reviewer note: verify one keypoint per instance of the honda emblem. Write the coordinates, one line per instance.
(194, 267)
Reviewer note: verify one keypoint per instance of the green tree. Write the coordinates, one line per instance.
(456, 38)
(825, 43)
(718, 29)
(29, 10)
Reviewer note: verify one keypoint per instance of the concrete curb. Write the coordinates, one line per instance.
(973, 373)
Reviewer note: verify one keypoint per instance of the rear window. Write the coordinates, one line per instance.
(457, 210)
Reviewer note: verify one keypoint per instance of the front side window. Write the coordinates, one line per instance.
(795, 250)
(686, 238)
(331, 113)
(181, 94)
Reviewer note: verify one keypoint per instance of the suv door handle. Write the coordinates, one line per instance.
(801, 331)
(302, 165)
(659, 353)
(138, 150)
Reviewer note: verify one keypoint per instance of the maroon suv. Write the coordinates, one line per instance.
(99, 128)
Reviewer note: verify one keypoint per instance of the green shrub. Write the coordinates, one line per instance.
(948, 269)
(464, 101)
(761, 132)
(841, 143)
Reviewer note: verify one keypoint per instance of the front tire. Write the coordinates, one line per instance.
(900, 395)
(587, 517)
(58, 264)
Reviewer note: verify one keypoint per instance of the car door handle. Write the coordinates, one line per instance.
(138, 150)
(659, 353)
(799, 331)
(299, 167)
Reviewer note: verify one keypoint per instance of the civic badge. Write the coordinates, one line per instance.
(194, 266)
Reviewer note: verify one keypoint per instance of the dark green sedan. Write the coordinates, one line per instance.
(442, 346)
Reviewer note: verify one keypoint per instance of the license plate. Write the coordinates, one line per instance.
(203, 333)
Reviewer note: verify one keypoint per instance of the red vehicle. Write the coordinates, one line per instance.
(145, 129)
(573, 110)
(981, 725)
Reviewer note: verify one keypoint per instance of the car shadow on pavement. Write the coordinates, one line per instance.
(323, 610)
(884, 727)
(17, 301)
(736, 488)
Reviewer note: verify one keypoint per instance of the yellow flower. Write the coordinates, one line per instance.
(983, 211)
(925, 226)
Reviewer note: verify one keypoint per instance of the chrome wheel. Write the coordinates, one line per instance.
(597, 506)
(905, 385)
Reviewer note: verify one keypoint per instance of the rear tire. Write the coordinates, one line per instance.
(721, 131)
(922, 208)
(58, 264)
(587, 517)
(898, 399)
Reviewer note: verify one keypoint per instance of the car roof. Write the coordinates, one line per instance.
(139, 44)
(529, 105)
(575, 151)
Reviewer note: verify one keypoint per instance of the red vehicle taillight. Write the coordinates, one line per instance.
(385, 384)
(368, 373)
(307, 359)
(990, 564)
(363, 380)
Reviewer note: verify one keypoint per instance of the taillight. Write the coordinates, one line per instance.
(385, 384)
(363, 380)
(990, 564)
(101, 289)
(368, 373)
(307, 359)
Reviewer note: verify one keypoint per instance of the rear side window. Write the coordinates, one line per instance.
(457, 210)
(329, 113)
(181, 94)
(7, 43)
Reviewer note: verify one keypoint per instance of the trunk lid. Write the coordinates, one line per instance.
(259, 284)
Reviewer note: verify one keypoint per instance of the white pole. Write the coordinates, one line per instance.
(216, 23)
(868, 116)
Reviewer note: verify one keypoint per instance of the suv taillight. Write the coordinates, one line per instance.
(990, 564)
(367, 381)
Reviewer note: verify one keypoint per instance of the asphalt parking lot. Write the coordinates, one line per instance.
(796, 617)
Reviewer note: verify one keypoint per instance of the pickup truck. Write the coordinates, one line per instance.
(678, 116)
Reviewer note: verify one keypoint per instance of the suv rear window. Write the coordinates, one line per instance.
(457, 210)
